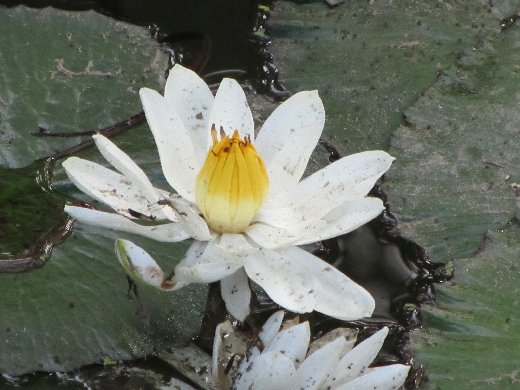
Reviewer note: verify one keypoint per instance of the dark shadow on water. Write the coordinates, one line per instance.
(142, 374)
(32, 220)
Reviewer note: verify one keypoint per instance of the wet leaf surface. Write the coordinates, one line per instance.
(77, 309)
(458, 158)
(458, 153)
(75, 71)
(371, 60)
(438, 81)
(68, 71)
(143, 374)
(471, 341)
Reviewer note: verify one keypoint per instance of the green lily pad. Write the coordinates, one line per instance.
(68, 71)
(73, 71)
(371, 60)
(457, 156)
(78, 309)
(472, 334)
(454, 76)
(456, 169)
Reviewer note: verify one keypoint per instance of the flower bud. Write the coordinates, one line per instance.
(232, 184)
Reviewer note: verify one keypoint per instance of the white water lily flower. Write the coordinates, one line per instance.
(283, 362)
(242, 199)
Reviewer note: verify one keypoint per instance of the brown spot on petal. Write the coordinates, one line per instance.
(153, 272)
(167, 284)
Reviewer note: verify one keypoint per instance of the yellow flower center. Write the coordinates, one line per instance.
(232, 184)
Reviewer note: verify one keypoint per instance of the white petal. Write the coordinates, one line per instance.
(380, 378)
(350, 336)
(321, 364)
(349, 178)
(353, 176)
(107, 186)
(231, 245)
(341, 220)
(191, 257)
(337, 296)
(192, 361)
(190, 219)
(271, 371)
(271, 237)
(124, 164)
(203, 265)
(170, 232)
(180, 160)
(284, 280)
(288, 138)
(271, 328)
(138, 263)
(231, 111)
(193, 253)
(287, 219)
(187, 94)
(292, 343)
(252, 354)
(236, 245)
(220, 333)
(236, 294)
(301, 229)
(358, 359)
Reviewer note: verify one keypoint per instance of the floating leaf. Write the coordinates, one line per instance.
(457, 162)
(472, 337)
(68, 71)
(371, 60)
(74, 71)
(458, 154)
(447, 67)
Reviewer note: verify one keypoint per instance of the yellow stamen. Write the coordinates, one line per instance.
(232, 184)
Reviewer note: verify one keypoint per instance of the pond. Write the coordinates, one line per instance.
(434, 84)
